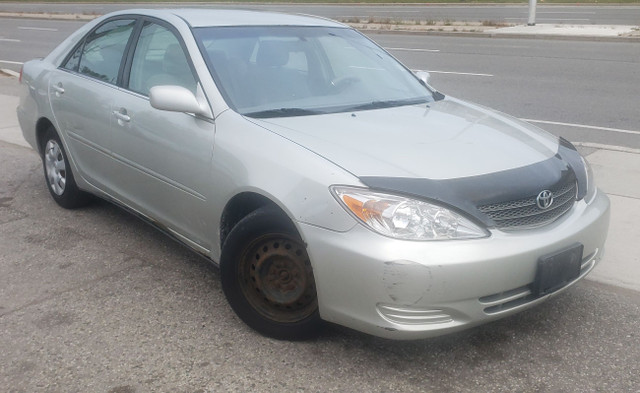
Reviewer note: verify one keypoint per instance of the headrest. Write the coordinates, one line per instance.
(272, 54)
(174, 60)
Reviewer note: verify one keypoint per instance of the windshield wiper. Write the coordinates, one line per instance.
(388, 104)
(282, 112)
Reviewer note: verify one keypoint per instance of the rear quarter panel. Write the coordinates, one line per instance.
(34, 98)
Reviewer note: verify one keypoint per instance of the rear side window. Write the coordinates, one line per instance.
(101, 55)
(159, 60)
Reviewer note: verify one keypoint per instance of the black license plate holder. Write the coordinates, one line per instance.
(557, 269)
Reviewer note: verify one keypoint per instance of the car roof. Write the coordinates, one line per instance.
(202, 17)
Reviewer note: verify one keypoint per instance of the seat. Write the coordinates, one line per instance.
(176, 70)
(274, 80)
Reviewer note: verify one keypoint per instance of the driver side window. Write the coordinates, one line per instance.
(159, 60)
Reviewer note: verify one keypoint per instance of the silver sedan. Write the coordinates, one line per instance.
(328, 181)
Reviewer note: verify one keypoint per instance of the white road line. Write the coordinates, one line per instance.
(414, 49)
(576, 19)
(395, 11)
(566, 12)
(557, 123)
(11, 62)
(37, 28)
(457, 73)
(9, 39)
(548, 19)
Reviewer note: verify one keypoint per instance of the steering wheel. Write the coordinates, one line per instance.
(342, 82)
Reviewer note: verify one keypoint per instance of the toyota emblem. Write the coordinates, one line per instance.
(544, 199)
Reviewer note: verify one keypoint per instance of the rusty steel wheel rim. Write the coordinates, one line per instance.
(277, 280)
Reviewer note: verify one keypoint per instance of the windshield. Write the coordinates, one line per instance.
(278, 71)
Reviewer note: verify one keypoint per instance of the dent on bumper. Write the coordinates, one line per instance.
(407, 290)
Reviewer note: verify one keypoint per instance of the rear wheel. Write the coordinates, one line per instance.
(267, 277)
(58, 175)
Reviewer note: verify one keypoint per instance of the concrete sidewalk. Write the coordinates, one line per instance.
(614, 33)
(9, 127)
(616, 170)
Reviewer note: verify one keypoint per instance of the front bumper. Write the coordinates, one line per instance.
(408, 290)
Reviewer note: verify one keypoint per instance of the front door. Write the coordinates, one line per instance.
(163, 159)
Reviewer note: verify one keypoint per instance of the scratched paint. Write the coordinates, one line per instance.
(406, 282)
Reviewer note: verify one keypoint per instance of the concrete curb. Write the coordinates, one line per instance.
(565, 37)
(10, 72)
(607, 33)
(600, 146)
(504, 35)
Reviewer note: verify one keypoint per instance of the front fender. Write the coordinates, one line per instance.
(250, 158)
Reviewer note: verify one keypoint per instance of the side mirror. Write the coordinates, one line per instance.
(177, 99)
(424, 77)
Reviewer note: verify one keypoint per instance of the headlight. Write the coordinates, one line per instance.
(405, 218)
(591, 186)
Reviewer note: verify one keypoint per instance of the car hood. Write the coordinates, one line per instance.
(445, 139)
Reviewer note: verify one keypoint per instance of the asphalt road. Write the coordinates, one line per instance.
(591, 88)
(580, 14)
(94, 300)
(582, 84)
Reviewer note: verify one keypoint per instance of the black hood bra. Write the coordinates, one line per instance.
(468, 194)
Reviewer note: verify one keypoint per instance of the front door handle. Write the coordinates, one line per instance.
(122, 115)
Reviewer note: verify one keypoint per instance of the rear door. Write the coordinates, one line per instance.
(82, 92)
(163, 159)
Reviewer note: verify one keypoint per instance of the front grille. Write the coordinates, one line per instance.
(525, 213)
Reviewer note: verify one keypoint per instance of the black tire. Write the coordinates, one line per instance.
(57, 173)
(267, 277)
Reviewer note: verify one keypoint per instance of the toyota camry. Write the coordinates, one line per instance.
(325, 179)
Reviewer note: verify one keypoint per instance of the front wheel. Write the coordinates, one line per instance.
(267, 277)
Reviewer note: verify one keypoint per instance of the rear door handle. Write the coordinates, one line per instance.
(122, 116)
(59, 90)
